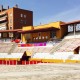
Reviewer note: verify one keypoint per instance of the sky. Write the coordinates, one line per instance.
(46, 11)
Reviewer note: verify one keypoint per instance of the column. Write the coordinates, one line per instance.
(74, 26)
(23, 38)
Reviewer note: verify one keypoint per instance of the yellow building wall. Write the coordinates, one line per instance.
(23, 37)
(27, 37)
(62, 30)
(27, 28)
(53, 24)
(59, 33)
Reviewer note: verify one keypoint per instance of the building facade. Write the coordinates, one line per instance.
(13, 19)
(16, 23)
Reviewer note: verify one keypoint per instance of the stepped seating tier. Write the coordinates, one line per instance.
(67, 45)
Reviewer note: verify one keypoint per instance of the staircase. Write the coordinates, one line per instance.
(58, 46)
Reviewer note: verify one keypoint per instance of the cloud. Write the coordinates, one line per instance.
(69, 15)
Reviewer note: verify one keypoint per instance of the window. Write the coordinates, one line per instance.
(36, 38)
(46, 37)
(24, 16)
(21, 21)
(24, 22)
(10, 34)
(52, 34)
(39, 37)
(70, 28)
(4, 34)
(43, 37)
(77, 27)
(21, 15)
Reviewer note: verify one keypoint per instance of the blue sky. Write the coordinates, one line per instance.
(46, 11)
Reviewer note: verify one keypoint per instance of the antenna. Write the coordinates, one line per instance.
(40, 23)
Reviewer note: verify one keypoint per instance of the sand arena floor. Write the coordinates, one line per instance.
(40, 72)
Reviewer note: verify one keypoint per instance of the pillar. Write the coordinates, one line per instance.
(74, 28)
(23, 38)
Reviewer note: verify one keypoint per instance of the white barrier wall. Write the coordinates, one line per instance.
(76, 57)
(56, 55)
(12, 55)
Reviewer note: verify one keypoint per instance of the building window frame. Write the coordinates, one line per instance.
(24, 16)
(21, 15)
(43, 37)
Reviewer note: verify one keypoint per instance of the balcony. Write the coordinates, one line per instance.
(3, 28)
(3, 24)
(3, 18)
(3, 14)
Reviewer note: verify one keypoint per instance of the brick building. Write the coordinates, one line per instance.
(12, 20)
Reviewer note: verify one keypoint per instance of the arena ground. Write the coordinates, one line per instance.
(40, 72)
